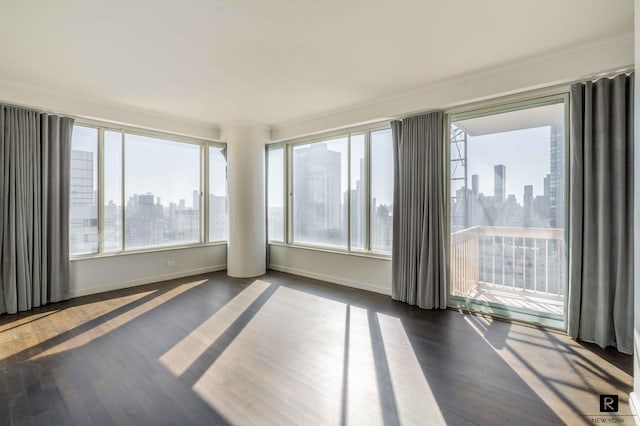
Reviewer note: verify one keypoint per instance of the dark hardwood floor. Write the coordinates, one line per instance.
(282, 350)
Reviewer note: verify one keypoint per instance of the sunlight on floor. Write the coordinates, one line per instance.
(112, 324)
(414, 398)
(362, 403)
(183, 354)
(273, 362)
(570, 402)
(361, 369)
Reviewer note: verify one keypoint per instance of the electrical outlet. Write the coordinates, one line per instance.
(171, 263)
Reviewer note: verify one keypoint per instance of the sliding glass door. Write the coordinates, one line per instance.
(508, 211)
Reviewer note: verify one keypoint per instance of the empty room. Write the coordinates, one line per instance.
(319, 213)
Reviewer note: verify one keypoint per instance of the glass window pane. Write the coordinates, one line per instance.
(217, 193)
(112, 191)
(381, 190)
(83, 207)
(507, 209)
(162, 192)
(319, 192)
(275, 193)
(358, 193)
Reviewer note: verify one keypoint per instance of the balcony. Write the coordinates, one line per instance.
(510, 267)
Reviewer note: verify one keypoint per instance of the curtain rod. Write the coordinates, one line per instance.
(609, 74)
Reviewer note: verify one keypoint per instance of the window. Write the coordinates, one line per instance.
(218, 193)
(149, 189)
(112, 191)
(339, 192)
(507, 209)
(83, 207)
(381, 190)
(358, 196)
(275, 193)
(162, 192)
(319, 186)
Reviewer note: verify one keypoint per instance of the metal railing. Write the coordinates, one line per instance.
(512, 259)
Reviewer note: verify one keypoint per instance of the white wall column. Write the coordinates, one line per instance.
(246, 251)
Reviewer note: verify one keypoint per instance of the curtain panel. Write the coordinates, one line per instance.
(600, 305)
(420, 223)
(35, 156)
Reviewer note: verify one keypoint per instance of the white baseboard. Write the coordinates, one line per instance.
(634, 405)
(332, 279)
(143, 281)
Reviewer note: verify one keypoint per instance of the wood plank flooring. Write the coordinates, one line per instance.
(284, 350)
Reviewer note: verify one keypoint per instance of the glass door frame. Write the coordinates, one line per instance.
(494, 309)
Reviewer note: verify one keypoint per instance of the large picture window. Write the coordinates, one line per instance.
(162, 192)
(339, 192)
(132, 192)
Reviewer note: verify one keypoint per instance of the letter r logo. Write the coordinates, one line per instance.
(608, 403)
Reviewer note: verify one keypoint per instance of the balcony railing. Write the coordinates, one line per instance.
(512, 261)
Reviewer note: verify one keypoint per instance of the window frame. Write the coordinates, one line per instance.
(517, 102)
(287, 146)
(204, 145)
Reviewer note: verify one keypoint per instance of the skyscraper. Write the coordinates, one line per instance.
(317, 201)
(82, 170)
(83, 212)
(527, 213)
(475, 186)
(196, 200)
(556, 177)
(499, 182)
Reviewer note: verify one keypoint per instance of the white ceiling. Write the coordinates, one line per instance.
(275, 61)
(528, 118)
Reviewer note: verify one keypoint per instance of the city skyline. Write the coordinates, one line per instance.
(143, 175)
(524, 150)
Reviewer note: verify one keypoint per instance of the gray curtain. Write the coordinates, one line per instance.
(420, 225)
(35, 156)
(601, 213)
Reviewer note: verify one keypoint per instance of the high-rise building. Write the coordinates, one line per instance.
(475, 186)
(499, 183)
(317, 203)
(83, 212)
(196, 200)
(82, 171)
(357, 209)
(527, 214)
(556, 177)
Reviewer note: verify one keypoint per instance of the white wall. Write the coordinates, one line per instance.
(98, 274)
(373, 274)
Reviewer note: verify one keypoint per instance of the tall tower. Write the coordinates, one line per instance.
(475, 186)
(499, 182)
(528, 204)
(82, 170)
(556, 177)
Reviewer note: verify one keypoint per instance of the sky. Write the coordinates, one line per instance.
(525, 154)
(167, 169)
